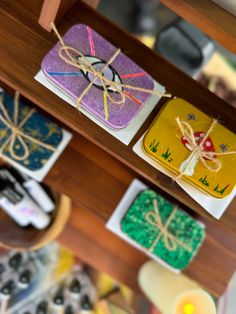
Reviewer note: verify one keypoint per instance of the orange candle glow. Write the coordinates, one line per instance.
(194, 302)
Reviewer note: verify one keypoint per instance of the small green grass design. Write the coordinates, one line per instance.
(220, 191)
(166, 154)
(153, 146)
(204, 181)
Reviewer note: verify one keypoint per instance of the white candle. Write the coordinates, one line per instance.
(164, 288)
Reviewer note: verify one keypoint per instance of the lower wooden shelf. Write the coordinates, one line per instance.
(96, 181)
(86, 235)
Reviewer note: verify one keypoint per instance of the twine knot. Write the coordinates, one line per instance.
(170, 241)
(76, 58)
(199, 150)
(17, 132)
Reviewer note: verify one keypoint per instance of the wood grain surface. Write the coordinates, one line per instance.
(96, 169)
(96, 182)
(22, 47)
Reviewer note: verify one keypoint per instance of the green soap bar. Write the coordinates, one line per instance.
(185, 234)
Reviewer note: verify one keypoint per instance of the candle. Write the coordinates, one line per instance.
(194, 302)
(164, 288)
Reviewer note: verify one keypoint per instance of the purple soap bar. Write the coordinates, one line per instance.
(122, 70)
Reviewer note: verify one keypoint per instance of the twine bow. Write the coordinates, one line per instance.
(198, 152)
(17, 132)
(170, 241)
(70, 56)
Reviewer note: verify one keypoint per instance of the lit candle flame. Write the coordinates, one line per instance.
(188, 308)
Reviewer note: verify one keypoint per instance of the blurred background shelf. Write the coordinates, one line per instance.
(209, 17)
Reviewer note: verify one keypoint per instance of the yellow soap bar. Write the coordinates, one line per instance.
(164, 143)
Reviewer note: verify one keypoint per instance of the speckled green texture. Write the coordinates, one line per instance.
(182, 226)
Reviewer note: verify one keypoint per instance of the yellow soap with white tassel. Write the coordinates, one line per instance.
(193, 146)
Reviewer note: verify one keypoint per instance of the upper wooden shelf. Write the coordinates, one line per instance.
(23, 44)
(212, 19)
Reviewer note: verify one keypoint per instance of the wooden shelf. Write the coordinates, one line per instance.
(212, 19)
(87, 171)
(22, 46)
(96, 182)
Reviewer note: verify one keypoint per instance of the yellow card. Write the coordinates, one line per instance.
(165, 143)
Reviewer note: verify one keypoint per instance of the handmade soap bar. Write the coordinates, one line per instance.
(163, 229)
(29, 141)
(172, 139)
(102, 98)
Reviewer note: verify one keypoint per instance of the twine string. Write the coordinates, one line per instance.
(198, 152)
(103, 80)
(170, 241)
(70, 56)
(17, 132)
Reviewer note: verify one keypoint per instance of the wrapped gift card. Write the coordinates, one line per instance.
(215, 206)
(98, 76)
(158, 227)
(188, 142)
(124, 135)
(163, 229)
(29, 141)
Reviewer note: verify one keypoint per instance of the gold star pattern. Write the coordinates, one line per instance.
(52, 128)
(7, 148)
(36, 147)
(24, 111)
(3, 133)
(34, 132)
